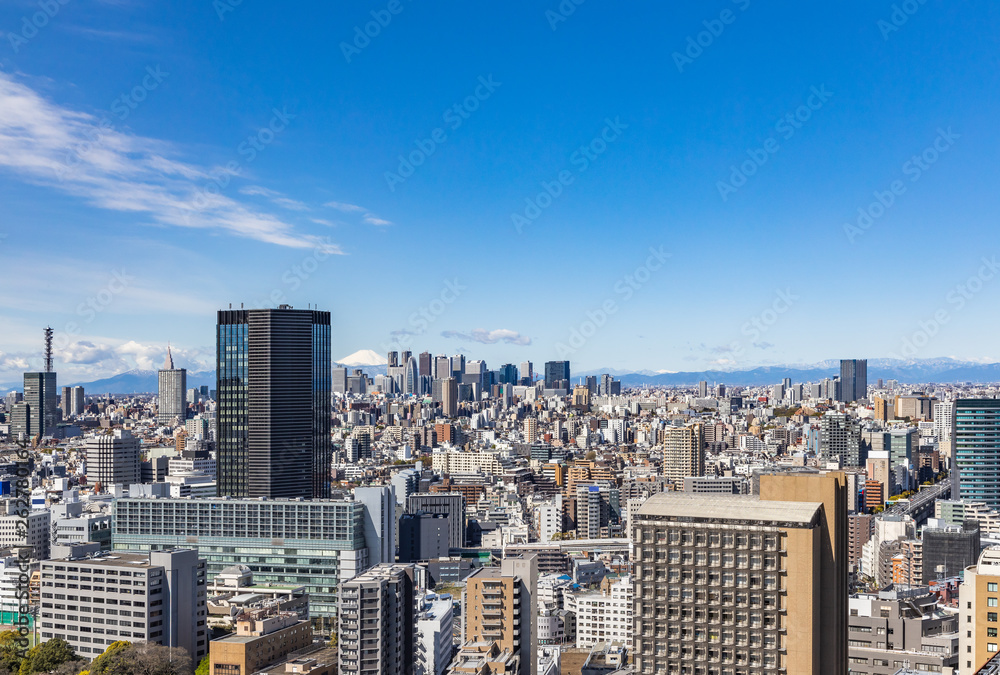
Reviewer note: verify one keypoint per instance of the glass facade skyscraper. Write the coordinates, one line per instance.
(977, 450)
(853, 380)
(41, 397)
(273, 382)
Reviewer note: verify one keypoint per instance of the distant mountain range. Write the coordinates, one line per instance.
(942, 370)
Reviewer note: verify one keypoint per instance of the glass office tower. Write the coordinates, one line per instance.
(977, 450)
(273, 380)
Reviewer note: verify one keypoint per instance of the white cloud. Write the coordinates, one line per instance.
(346, 208)
(489, 337)
(372, 220)
(72, 152)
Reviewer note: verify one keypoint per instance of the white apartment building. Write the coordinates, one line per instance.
(433, 634)
(603, 618)
(30, 530)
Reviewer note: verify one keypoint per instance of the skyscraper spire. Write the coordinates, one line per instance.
(169, 363)
(48, 349)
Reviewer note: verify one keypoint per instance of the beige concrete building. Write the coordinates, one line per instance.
(733, 584)
(978, 598)
(683, 453)
(262, 638)
(499, 606)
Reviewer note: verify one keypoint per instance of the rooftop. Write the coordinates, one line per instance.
(728, 507)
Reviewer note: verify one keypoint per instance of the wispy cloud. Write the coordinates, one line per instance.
(346, 208)
(275, 197)
(52, 146)
(368, 217)
(489, 337)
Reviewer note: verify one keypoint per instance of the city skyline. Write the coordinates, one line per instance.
(669, 140)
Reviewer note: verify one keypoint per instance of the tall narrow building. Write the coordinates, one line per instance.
(172, 392)
(683, 453)
(976, 450)
(853, 380)
(41, 404)
(273, 381)
(376, 615)
(728, 584)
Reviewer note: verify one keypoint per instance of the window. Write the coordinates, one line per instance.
(991, 602)
(990, 588)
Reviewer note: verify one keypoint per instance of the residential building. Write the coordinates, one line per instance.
(743, 582)
(978, 599)
(603, 616)
(683, 453)
(433, 634)
(376, 617)
(499, 606)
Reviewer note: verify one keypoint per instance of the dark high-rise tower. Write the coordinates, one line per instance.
(853, 380)
(273, 380)
(39, 413)
(557, 374)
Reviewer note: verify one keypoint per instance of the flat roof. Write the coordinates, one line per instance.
(728, 507)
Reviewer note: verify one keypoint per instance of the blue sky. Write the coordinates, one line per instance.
(243, 153)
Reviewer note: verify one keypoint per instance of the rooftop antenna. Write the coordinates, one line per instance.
(48, 349)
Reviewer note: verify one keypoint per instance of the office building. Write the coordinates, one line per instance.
(376, 613)
(683, 453)
(499, 605)
(40, 406)
(113, 459)
(976, 450)
(450, 504)
(86, 596)
(316, 544)
(423, 536)
(853, 380)
(727, 583)
(379, 522)
(527, 373)
(449, 397)
(273, 374)
(433, 634)
(172, 401)
(978, 597)
(557, 375)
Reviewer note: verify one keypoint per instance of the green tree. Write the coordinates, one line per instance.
(98, 666)
(10, 652)
(142, 659)
(202, 668)
(47, 656)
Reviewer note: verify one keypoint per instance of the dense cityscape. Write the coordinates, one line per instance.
(428, 514)
(558, 337)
